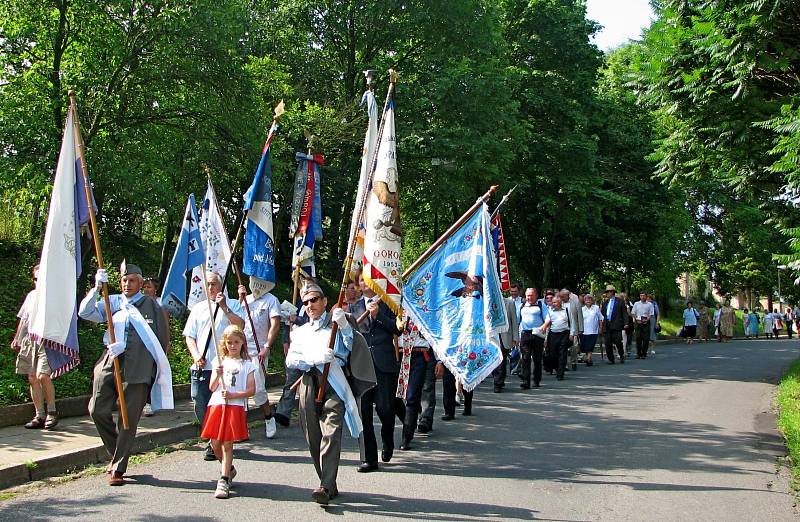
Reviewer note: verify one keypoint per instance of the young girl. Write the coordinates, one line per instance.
(226, 417)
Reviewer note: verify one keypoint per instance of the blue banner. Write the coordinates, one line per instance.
(454, 298)
(259, 237)
(189, 253)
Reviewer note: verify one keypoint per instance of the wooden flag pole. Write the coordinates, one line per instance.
(352, 246)
(450, 231)
(123, 407)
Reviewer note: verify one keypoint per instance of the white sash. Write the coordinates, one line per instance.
(161, 393)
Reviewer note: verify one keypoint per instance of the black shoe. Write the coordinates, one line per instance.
(498, 389)
(281, 419)
(405, 445)
(209, 454)
(536, 385)
(386, 454)
(525, 386)
(448, 417)
(589, 363)
(321, 496)
(367, 467)
(466, 413)
(423, 428)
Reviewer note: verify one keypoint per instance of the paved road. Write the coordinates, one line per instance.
(686, 436)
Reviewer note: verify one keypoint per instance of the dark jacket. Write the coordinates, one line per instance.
(379, 334)
(619, 318)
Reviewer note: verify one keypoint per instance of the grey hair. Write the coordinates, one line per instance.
(214, 275)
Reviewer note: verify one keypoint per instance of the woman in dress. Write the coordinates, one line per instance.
(727, 317)
(703, 322)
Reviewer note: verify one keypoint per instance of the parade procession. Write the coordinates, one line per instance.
(503, 273)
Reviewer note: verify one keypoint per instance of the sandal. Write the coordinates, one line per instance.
(51, 421)
(36, 424)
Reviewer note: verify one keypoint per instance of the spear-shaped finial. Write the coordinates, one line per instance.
(503, 201)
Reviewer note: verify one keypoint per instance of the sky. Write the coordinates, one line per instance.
(622, 20)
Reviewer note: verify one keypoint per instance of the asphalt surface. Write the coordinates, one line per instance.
(688, 435)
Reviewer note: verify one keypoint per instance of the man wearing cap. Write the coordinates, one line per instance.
(309, 352)
(200, 342)
(265, 316)
(141, 333)
(615, 320)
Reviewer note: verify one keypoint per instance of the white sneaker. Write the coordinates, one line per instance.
(223, 489)
(271, 427)
(147, 411)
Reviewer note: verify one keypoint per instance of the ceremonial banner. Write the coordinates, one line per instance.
(357, 228)
(189, 253)
(215, 241)
(500, 249)
(383, 232)
(259, 237)
(454, 299)
(54, 318)
(306, 220)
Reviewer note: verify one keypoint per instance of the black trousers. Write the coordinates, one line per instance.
(532, 349)
(416, 380)
(383, 398)
(499, 373)
(558, 343)
(642, 339)
(614, 338)
(428, 402)
(449, 395)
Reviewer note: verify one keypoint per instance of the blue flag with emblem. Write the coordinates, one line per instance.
(189, 253)
(454, 298)
(259, 237)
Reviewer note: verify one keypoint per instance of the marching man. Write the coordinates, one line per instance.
(141, 334)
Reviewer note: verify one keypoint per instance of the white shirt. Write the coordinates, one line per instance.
(642, 309)
(262, 310)
(235, 372)
(559, 320)
(198, 328)
(591, 319)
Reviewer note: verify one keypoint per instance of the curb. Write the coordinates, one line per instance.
(18, 474)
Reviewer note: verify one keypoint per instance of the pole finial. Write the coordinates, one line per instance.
(392, 76)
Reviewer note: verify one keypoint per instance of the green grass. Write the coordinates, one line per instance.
(789, 418)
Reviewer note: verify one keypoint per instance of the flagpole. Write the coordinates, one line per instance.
(352, 246)
(212, 324)
(232, 264)
(123, 407)
(450, 231)
(502, 202)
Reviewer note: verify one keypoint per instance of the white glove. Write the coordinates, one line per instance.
(340, 318)
(115, 349)
(100, 277)
(327, 356)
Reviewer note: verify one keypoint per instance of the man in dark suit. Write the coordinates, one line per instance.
(378, 327)
(615, 320)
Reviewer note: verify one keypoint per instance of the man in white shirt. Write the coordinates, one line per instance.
(265, 312)
(200, 342)
(642, 312)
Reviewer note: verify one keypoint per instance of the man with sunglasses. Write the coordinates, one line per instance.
(309, 352)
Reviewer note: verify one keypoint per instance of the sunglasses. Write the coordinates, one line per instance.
(312, 300)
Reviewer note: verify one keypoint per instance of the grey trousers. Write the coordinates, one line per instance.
(324, 431)
(118, 441)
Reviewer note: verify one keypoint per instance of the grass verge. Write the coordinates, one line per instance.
(789, 418)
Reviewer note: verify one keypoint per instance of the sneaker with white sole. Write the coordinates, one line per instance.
(223, 489)
(147, 411)
(271, 427)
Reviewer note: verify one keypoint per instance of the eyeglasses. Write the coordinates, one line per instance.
(312, 300)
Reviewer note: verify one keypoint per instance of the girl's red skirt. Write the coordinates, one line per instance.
(225, 423)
